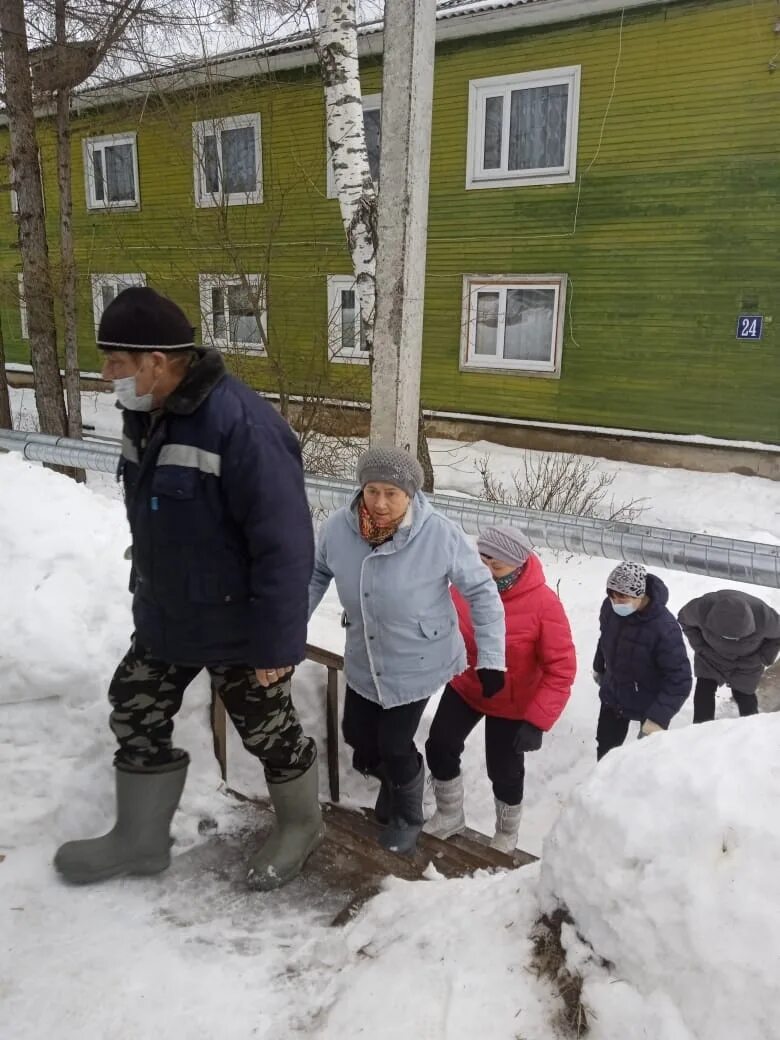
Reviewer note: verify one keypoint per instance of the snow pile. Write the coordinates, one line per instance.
(439, 959)
(667, 860)
(63, 598)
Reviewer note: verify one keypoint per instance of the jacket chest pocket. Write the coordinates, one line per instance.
(178, 506)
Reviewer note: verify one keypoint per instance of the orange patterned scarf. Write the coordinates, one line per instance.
(372, 533)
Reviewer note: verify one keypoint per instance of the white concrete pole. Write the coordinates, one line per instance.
(407, 97)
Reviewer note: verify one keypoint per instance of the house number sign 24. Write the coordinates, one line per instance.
(750, 326)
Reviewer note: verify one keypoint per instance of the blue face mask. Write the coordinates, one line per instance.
(623, 609)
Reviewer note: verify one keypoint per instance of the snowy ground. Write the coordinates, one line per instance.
(205, 957)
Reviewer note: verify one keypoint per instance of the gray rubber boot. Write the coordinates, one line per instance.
(449, 818)
(139, 842)
(297, 832)
(406, 817)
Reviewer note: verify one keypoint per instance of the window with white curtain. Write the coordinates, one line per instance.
(105, 287)
(372, 124)
(233, 312)
(227, 161)
(523, 129)
(111, 168)
(513, 323)
(346, 341)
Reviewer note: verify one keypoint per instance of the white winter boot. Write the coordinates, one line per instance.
(507, 825)
(448, 818)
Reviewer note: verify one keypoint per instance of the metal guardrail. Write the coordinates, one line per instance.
(754, 563)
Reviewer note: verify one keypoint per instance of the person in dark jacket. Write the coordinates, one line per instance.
(734, 637)
(641, 666)
(222, 555)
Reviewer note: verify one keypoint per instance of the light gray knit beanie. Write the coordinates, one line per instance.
(507, 544)
(628, 579)
(388, 465)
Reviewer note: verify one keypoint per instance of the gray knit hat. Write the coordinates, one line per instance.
(389, 465)
(628, 579)
(507, 544)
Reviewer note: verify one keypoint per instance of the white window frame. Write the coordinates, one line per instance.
(338, 283)
(371, 103)
(23, 307)
(214, 127)
(470, 361)
(99, 281)
(207, 282)
(90, 145)
(481, 89)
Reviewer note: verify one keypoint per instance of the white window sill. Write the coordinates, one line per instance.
(513, 181)
(110, 207)
(347, 359)
(213, 201)
(501, 368)
(244, 349)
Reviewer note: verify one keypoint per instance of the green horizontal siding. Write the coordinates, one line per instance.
(670, 232)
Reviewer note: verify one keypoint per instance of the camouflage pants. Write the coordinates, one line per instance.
(146, 693)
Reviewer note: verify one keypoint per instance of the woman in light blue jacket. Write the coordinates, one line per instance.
(393, 558)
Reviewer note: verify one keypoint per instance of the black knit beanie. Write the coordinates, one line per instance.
(141, 319)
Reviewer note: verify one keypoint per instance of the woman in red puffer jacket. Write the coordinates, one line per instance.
(540, 669)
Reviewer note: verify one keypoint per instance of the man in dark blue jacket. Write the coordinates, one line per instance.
(222, 556)
(641, 665)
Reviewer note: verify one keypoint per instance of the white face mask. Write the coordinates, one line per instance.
(128, 396)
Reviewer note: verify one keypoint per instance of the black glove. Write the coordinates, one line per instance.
(528, 737)
(492, 681)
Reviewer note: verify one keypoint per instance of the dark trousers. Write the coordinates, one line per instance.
(704, 701)
(145, 695)
(453, 722)
(382, 739)
(611, 731)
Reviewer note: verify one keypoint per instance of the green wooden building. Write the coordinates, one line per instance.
(603, 223)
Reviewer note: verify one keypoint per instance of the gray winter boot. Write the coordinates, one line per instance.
(297, 832)
(449, 818)
(406, 816)
(507, 825)
(139, 842)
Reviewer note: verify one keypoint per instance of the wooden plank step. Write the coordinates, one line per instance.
(358, 831)
(350, 865)
(469, 838)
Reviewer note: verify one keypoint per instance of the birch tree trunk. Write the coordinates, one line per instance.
(36, 273)
(69, 285)
(338, 56)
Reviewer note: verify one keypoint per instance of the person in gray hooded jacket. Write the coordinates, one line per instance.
(393, 558)
(734, 637)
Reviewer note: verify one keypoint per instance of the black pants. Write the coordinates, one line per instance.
(611, 731)
(704, 701)
(145, 695)
(382, 739)
(453, 722)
